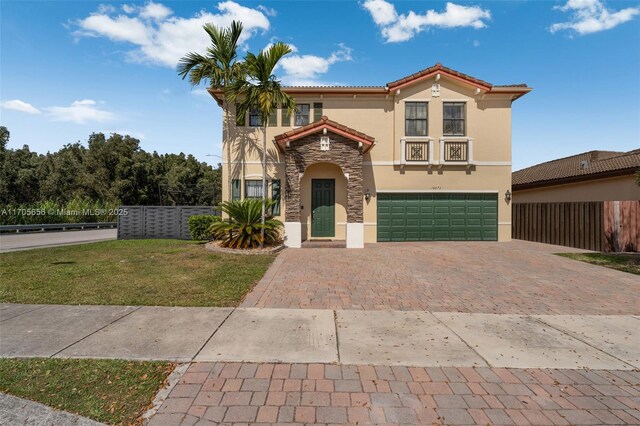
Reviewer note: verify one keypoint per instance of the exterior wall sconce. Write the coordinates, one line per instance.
(507, 196)
(367, 195)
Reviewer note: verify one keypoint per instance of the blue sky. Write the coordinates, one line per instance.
(72, 68)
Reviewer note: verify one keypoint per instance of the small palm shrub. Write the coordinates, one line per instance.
(200, 224)
(242, 229)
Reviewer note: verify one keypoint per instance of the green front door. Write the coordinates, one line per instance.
(323, 207)
(437, 216)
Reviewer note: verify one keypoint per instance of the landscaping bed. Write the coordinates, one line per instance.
(115, 392)
(626, 262)
(131, 272)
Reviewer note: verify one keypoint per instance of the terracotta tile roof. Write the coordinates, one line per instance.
(332, 86)
(510, 85)
(517, 89)
(438, 67)
(330, 125)
(588, 165)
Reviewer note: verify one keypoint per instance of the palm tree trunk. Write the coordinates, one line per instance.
(226, 127)
(264, 181)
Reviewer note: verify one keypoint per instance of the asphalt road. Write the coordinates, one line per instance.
(31, 240)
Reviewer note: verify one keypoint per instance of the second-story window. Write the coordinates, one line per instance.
(254, 118)
(454, 119)
(415, 119)
(302, 114)
(317, 111)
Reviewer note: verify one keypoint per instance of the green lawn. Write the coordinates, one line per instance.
(133, 272)
(110, 391)
(622, 262)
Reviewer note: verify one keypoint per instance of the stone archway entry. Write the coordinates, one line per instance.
(324, 141)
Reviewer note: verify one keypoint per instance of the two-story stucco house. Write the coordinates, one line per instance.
(426, 157)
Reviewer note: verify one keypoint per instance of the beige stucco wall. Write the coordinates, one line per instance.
(612, 189)
(488, 122)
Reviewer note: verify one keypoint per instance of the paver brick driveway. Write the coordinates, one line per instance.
(517, 277)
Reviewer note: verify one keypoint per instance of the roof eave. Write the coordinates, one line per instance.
(517, 92)
(573, 179)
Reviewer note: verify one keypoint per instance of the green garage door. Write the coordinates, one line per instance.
(437, 217)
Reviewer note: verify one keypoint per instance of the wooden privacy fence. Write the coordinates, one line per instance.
(595, 225)
(158, 221)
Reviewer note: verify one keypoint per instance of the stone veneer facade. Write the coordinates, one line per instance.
(342, 152)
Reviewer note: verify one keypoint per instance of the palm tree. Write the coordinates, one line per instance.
(261, 89)
(219, 66)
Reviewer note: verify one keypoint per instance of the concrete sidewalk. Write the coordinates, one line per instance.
(399, 338)
(19, 411)
(32, 240)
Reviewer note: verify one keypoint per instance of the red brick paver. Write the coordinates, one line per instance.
(516, 277)
(339, 395)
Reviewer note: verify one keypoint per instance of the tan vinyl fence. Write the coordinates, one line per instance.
(599, 225)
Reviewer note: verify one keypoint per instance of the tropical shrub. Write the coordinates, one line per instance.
(242, 229)
(199, 225)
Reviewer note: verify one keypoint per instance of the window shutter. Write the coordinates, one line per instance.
(286, 118)
(273, 118)
(317, 111)
(235, 189)
(239, 119)
(275, 195)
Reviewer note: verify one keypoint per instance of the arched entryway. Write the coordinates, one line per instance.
(323, 202)
(323, 162)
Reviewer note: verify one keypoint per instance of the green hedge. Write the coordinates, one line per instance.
(199, 226)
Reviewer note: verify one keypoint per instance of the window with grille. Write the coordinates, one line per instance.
(415, 116)
(254, 118)
(302, 114)
(253, 189)
(454, 119)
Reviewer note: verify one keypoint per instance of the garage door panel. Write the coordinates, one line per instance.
(437, 216)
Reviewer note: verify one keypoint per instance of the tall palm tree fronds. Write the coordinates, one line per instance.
(219, 66)
(261, 89)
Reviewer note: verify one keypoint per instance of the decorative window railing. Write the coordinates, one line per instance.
(456, 150)
(417, 150)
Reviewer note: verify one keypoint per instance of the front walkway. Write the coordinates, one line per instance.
(517, 277)
(241, 393)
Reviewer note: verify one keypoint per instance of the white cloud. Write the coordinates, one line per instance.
(267, 10)
(382, 12)
(79, 112)
(18, 105)
(155, 11)
(305, 70)
(400, 27)
(591, 16)
(163, 39)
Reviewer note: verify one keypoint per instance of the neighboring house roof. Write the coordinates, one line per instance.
(324, 123)
(484, 87)
(580, 167)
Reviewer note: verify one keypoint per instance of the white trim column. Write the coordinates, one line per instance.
(355, 235)
(293, 234)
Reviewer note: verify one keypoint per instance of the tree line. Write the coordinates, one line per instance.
(110, 170)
